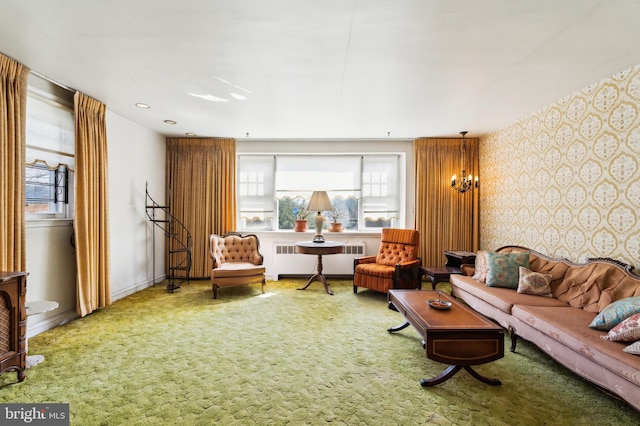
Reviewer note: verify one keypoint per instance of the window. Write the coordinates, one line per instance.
(365, 190)
(47, 189)
(50, 151)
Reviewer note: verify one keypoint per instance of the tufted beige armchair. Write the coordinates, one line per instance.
(236, 260)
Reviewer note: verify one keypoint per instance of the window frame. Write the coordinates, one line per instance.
(398, 158)
(41, 155)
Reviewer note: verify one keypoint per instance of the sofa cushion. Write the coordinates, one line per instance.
(615, 313)
(239, 269)
(480, 273)
(534, 283)
(569, 327)
(627, 331)
(503, 268)
(633, 348)
(595, 286)
(501, 298)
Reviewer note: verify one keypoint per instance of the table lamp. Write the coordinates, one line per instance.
(319, 202)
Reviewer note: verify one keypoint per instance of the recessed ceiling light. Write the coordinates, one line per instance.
(143, 106)
(170, 122)
(190, 134)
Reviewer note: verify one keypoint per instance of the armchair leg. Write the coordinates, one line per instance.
(215, 290)
(263, 283)
(355, 289)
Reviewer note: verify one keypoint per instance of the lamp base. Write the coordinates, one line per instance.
(318, 239)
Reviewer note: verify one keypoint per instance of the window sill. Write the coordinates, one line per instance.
(311, 232)
(46, 222)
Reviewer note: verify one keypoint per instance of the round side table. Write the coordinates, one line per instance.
(327, 247)
(35, 308)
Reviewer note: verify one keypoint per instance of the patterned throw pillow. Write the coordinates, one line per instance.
(534, 283)
(503, 269)
(481, 266)
(627, 331)
(615, 313)
(633, 348)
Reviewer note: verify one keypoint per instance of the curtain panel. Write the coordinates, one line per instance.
(13, 117)
(91, 206)
(201, 192)
(445, 218)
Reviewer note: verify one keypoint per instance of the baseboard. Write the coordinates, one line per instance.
(50, 323)
(137, 287)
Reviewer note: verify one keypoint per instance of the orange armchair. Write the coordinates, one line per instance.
(236, 260)
(395, 266)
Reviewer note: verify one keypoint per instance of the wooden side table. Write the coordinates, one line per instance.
(441, 274)
(327, 247)
(457, 258)
(438, 274)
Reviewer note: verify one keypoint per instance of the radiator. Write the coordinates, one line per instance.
(286, 261)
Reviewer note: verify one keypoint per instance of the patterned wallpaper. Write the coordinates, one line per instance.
(566, 180)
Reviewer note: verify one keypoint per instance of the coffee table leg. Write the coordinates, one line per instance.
(453, 369)
(398, 327)
(483, 379)
(442, 377)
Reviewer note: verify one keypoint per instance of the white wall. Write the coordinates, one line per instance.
(136, 156)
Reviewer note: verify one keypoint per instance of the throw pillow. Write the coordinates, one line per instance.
(481, 266)
(503, 269)
(615, 313)
(534, 283)
(627, 331)
(633, 348)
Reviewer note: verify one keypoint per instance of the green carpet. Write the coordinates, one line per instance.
(284, 358)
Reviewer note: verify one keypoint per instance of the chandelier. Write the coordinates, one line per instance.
(466, 183)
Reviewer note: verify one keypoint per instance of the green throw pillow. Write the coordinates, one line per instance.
(615, 313)
(503, 269)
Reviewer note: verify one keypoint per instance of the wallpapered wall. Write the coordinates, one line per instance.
(566, 180)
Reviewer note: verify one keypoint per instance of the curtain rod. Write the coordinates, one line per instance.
(52, 81)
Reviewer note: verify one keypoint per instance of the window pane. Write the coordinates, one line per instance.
(364, 189)
(256, 195)
(49, 153)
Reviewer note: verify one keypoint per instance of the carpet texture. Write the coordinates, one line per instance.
(287, 357)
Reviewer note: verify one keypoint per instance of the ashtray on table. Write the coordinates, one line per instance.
(439, 304)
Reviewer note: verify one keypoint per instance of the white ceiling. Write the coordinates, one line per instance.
(323, 68)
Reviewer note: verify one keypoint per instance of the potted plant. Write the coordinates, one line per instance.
(301, 214)
(335, 214)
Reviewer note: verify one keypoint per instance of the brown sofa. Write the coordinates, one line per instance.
(559, 325)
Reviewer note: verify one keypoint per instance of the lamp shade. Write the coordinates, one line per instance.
(319, 202)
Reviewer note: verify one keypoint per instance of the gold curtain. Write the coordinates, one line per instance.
(13, 117)
(201, 191)
(91, 207)
(445, 218)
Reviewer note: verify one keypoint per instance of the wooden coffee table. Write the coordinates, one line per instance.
(458, 336)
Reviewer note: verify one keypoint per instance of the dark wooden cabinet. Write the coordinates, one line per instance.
(457, 258)
(13, 323)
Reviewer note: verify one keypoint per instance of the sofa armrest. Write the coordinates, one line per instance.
(468, 269)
